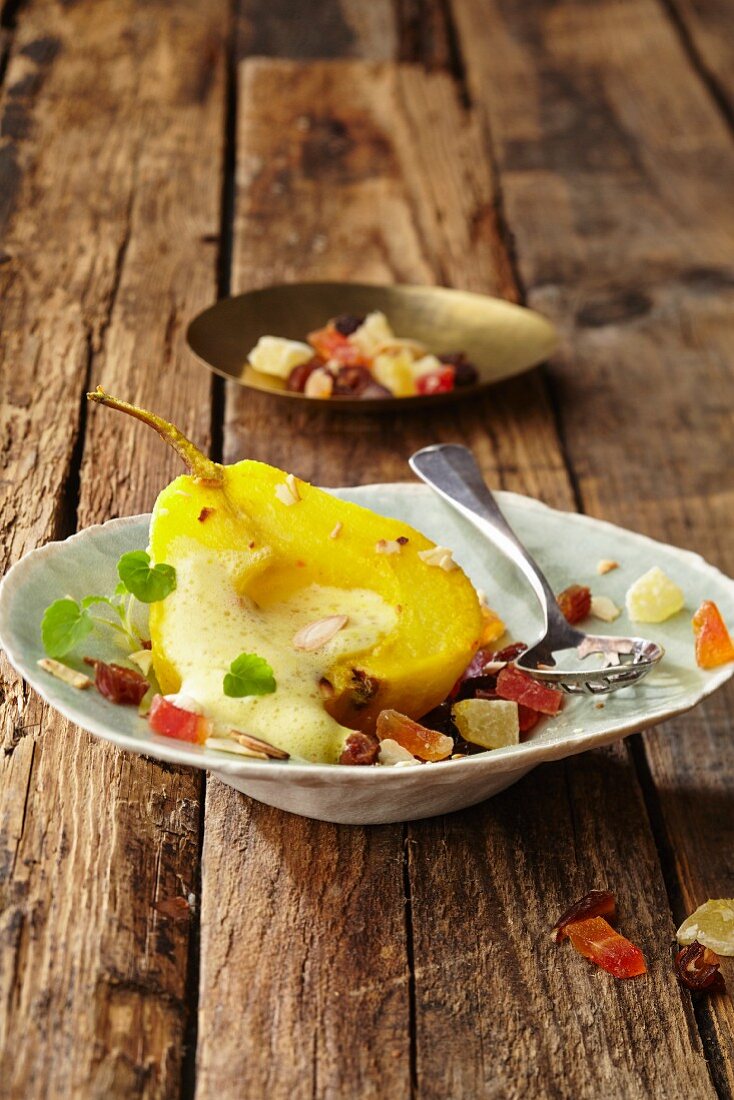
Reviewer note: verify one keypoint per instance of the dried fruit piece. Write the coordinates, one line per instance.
(698, 969)
(347, 323)
(278, 356)
(596, 940)
(575, 602)
(300, 375)
(491, 723)
(320, 384)
(492, 626)
(170, 720)
(527, 717)
(606, 565)
(351, 381)
(331, 344)
(465, 373)
(118, 684)
(653, 597)
(597, 903)
(510, 652)
(714, 646)
(360, 749)
(518, 686)
(424, 743)
(712, 924)
(440, 381)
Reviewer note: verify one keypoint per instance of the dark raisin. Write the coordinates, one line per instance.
(347, 323)
(465, 374)
(118, 684)
(364, 688)
(351, 381)
(478, 687)
(360, 748)
(510, 652)
(300, 375)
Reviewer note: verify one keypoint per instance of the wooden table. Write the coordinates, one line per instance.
(578, 157)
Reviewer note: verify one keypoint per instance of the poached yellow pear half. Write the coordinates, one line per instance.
(353, 611)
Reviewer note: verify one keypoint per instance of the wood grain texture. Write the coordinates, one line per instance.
(642, 285)
(330, 28)
(114, 204)
(386, 179)
(706, 28)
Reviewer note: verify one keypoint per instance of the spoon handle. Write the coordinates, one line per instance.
(452, 471)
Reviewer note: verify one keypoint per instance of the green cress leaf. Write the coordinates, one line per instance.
(249, 675)
(64, 625)
(147, 584)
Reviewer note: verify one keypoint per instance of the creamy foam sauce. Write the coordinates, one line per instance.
(207, 625)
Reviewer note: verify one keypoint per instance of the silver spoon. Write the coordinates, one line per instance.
(452, 472)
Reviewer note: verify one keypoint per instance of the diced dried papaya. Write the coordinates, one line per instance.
(421, 742)
(596, 940)
(714, 646)
(518, 686)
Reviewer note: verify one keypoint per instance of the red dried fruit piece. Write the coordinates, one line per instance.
(417, 739)
(527, 717)
(300, 375)
(518, 686)
(510, 652)
(597, 903)
(596, 940)
(360, 748)
(575, 602)
(177, 722)
(331, 344)
(118, 684)
(436, 381)
(714, 646)
(697, 968)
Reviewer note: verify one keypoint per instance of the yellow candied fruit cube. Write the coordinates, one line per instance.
(395, 372)
(653, 597)
(491, 723)
(712, 924)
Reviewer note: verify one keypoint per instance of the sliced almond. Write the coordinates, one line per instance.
(287, 491)
(391, 753)
(65, 674)
(605, 609)
(228, 744)
(439, 556)
(256, 744)
(606, 565)
(336, 530)
(314, 635)
(388, 546)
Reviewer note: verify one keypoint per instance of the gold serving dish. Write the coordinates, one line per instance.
(499, 338)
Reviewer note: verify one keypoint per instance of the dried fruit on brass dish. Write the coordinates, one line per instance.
(714, 646)
(360, 357)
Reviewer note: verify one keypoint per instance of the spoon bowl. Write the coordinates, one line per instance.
(501, 339)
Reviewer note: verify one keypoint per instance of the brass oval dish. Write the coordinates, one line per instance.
(500, 338)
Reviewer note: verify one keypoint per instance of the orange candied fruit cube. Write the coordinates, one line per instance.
(417, 739)
(714, 646)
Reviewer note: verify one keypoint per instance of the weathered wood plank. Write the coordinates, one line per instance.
(707, 30)
(331, 28)
(632, 252)
(116, 188)
(371, 171)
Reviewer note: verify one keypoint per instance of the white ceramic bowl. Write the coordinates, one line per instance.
(566, 545)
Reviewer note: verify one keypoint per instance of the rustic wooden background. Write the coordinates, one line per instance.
(153, 155)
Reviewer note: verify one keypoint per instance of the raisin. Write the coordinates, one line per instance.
(465, 373)
(575, 602)
(351, 381)
(300, 375)
(697, 968)
(597, 903)
(510, 652)
(347, 323)
(360, 748)
(364, 688)
(118, 684)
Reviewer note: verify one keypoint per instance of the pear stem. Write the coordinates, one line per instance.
(201, 467)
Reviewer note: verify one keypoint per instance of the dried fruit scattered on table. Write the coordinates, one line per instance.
(518, 686)
(597, 903)
(491, 723)
(714, 646)
(595, 939)
(575, 602)
(417, 739)
(712, 924)
(698, 968)
(653, 597)
(118, 684)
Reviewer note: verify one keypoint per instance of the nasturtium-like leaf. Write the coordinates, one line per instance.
(64, 625)
(146, 583)
(249, 675)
